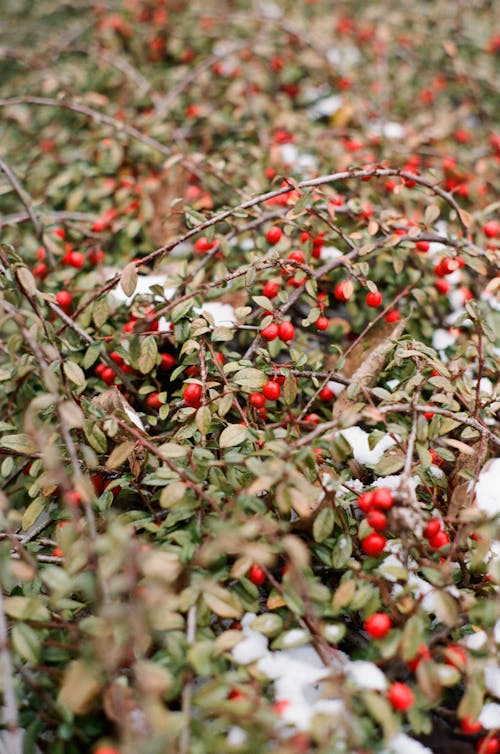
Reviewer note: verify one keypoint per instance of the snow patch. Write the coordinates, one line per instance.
(488, 488)
(366, 675)
(358, 440)
(490, 716)
(403, 744)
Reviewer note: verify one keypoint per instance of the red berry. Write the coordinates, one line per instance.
(423, 653)
(167, 361)
(106, 750)
(377, 520)
(286, 331)
(469, 727)
(442, 286)
(108, 376)
(235, 694)
(116, 358)
(488, 746)
(428, 415)
(422, 246)
(256, 575)
(373, 544)
(75, 259)
(382, 498)
(274, 234)
(203, 245)
(98, 484)
(271, 289)
(64, 299)
(439, 540)
(60, 233)
(312, 418)
(297, 256)
(41, 253)
(433, 527)
(491, 229)
(57, 552)
(326, 394)
(343, 290)
(455, 656)
(257, 400)
(40, 271)
(373, 299)
(73, 498)
(153, 400)
(365, 501)
(270, 332)
(378, 625)
(448, 265)
(99, 369)
(272, 390)
(393, 316)
(401, 696)
(192, 395)
(322, 323)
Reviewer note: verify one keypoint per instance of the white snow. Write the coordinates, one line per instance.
(236, 736)
(222, 314)
(490, 716)
(366, 675)
(492, 678)
(403, 744)
(253, 646)
(295, 637)
(143, 287)
(488, 488)
(358, 440)
(475, 641)
(335, 387)
(390, 130)
(289, 153)
(442, 339)
(326, 106)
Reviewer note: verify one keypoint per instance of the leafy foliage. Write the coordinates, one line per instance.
(248, 278)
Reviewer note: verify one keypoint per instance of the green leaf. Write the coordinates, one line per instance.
(323, 524)
(74, 372)
(119, 454)
(32, 512)
(21, 444)
(172, 494)
(128, 279)
(342, 551)
(203, 419)
(100, 312)
(381, 711)
(26, 608)
(232, 435)
(250, 378)
(148, 354)
(26, 642)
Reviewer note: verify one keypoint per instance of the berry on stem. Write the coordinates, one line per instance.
(378, 625)
(273, 234)
(374, 544)
(192, 395)
(270, 332)
(373, 299)
(401, 696)
(286, 331)
(256, 575)
(272, 390)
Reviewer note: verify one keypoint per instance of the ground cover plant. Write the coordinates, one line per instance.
(249, 369)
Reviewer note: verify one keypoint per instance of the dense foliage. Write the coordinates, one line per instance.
(248, 307)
